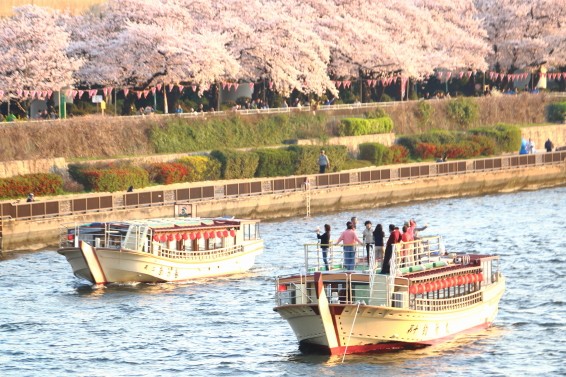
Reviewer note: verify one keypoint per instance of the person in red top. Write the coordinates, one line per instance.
(394, 237)
(349, 238)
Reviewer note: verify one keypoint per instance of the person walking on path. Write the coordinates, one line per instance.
(323, 162)
(548, 145)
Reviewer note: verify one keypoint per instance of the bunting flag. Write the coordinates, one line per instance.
(251, 84)
(80, 94)
(73, 94)
(145, 93)
(139, 94)
(158, 86)
(236, 85)
(448, 75)
(49, 93)
(469, 74)
(171, 86)
(564, 75)
(32, 94)
(126, 91)
(460, 74)
(26, 93)
(194, 88)
(404, 81)
(229, 86)
(224, 85)
(439, 75)
(92, 93)
(181, 87)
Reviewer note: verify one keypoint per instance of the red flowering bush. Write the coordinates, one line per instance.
(169, 172)
(39, 184)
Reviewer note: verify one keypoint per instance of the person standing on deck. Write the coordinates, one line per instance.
(367, 236)
(324, 243)
(349, 238)
(394, 237)
(378, 236)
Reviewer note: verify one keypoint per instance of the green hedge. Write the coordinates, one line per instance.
(39, 184)
(556, 112)
(114, 179)
(379, 154)
(307, 158)
(464, 111)
(202, 168)
(235, 164)
(507, 137)
(360, 126)
(275, 162)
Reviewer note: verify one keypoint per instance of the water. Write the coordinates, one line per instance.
(52, 324)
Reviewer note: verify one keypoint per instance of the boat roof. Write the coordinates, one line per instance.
(180, 222)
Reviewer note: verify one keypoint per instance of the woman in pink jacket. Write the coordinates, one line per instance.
(350, 239)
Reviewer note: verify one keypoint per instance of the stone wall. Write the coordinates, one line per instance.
(555, 132)
(48, 165)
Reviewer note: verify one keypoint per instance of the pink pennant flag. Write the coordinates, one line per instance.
(1, 93)
(491, 74)
(448, 75)
(19, 92)
(73, 94)
(92, 93)
(194, 88)
(229, 86)
(139, 94)
(26, 93)
(271, 85)
(460, 74)
(404, 81)
(439, 75)
(32, 93)
(126, 91)
(236, 85)
(49, 93)
(181, 87)
(469, 74)
(80, 93)
(68, 93)
(153, 90)
(145, 93)
(158, 86)
(564, 75)
(171, 86)
(368, 82)
(224, 85)
(383, 81)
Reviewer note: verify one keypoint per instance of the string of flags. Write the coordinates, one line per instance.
(346, 84)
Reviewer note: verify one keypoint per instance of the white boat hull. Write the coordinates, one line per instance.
(102, 265)
(353, 328)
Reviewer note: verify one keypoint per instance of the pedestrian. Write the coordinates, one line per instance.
(548, 145)
(367, 236)
(323, 162)
(531, 147)
(324, 243)
(30, 198)
(350, 239)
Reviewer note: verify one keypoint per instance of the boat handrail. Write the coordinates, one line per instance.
(199, 255)
(335, 258)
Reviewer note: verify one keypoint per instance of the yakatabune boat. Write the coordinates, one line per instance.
(429, 296)
(160, 250)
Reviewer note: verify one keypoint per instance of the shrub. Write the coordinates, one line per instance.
(398, 154)
(275, 162)
(464, 111)
(376, 153)
(166, 173)
(202, 168)
(426, 151)
(306, 158)
(507, 137)
(360, 126)
(114, 179)
(39, 184)
(235, 164)
(424, 112)
(378, 112)
(556, 112)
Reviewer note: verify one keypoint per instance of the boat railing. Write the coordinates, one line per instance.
(444, 304)
(411, 256)
(198, 255)
(338, 259)
(97, 234)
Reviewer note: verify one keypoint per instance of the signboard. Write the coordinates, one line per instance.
(97, 99)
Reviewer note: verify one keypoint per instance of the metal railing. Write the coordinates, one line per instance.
(268, 186)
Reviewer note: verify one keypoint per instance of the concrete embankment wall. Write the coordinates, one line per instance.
(39, 233)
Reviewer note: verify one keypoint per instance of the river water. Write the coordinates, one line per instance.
(52, 324)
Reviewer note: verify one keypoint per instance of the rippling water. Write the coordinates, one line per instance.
(52, 324)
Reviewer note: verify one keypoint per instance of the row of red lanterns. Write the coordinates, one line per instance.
(445, 283)
(163, 237)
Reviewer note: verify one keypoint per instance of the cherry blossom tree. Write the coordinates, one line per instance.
(524, 32)
(33, 50)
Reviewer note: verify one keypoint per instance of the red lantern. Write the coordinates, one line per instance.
(451, 281)
(460, 280)
(480, 277)
(185, 236)
(70, 237)
(178, 236)
(156, 238)
(211, 234)
(170, 237)
(225, 234)
(199, 235)
(163, 237)
(441, 284)
(428, 287)
(233, 233)
(413, 289)
(420, 288)
(436, 285)
(192, 236)
(205, 235)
